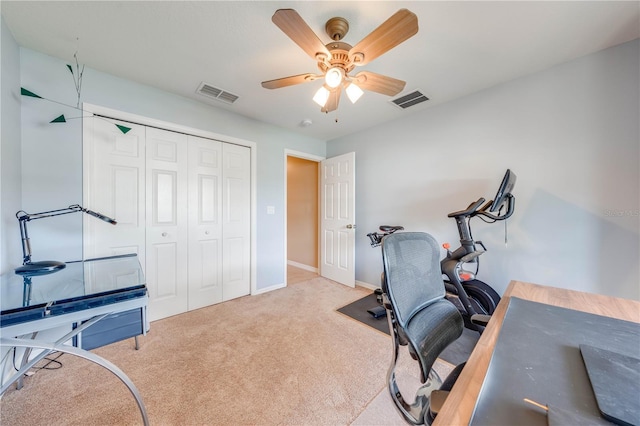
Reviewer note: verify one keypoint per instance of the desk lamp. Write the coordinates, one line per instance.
(45, 266)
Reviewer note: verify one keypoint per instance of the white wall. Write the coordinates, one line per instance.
(10, 171)
(570, 134)
(10, 253)
(52, 155)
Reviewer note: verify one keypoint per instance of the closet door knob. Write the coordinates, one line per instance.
(206, 232)
(164, 234)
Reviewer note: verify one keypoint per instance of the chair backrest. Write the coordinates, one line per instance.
(419, 315)
(412, 273)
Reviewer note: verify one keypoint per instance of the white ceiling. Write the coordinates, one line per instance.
(460, 48)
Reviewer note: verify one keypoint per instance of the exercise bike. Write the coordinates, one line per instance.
(470, 295)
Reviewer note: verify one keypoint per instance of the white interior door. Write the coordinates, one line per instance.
(114, 173)
(337, 218)
(167, 237)
(236, 222)
(205, 222)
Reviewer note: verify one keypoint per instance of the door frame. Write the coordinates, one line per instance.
(304, 156)
(96, 110)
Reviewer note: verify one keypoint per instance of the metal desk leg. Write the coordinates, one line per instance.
(26, 365)
(61, 347)
(25, 359)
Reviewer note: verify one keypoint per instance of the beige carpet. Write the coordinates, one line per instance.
(280, 358)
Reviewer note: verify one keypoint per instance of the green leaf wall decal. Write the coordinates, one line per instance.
(123, 129)
(59, 119)
(25, 92)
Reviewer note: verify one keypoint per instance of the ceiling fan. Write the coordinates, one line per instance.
(337, 59)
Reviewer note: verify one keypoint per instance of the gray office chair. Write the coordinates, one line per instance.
(419, 317)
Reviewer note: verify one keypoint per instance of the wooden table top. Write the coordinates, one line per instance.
(460, 403)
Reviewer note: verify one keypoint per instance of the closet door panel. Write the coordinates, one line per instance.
(166, 222)
(236, 221)
(205, 222)
(182, 203)
(114, 181)
(164, 269)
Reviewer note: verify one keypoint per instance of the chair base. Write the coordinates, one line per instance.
(416, 412)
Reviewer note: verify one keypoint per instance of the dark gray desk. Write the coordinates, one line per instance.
(459, 406)
(100, 300)
(537, 356)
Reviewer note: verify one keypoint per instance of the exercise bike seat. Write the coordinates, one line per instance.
(390, 229)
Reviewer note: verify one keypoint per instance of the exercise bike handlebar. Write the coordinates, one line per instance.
(376, 238)
(511, 203)
(474, 209)
(470, 210)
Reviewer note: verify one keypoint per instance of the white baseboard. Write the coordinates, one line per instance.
(302, 266)
(268, 289)
(367, 285)
(282, 285)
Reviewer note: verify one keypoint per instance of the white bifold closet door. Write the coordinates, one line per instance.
(182, 204)
(205, 222)
(114, 173)
(236, 229)
(166, 223)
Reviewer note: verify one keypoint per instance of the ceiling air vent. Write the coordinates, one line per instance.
(411, 99)
(216, 93)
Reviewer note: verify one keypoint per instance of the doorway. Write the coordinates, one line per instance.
(335, 212)
(302, 212)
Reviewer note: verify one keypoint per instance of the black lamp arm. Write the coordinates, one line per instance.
(24, 217)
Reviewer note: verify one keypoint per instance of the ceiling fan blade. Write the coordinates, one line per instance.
(297, 29)
(289, 81)
(398, 28)
(332, 102)
(378, 83)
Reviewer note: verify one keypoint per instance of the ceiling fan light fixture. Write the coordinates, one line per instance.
(353, 92)
(337, 59)
(321, 96)
(334, 77)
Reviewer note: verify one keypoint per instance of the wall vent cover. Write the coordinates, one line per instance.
(411, 99)
(216, 93)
